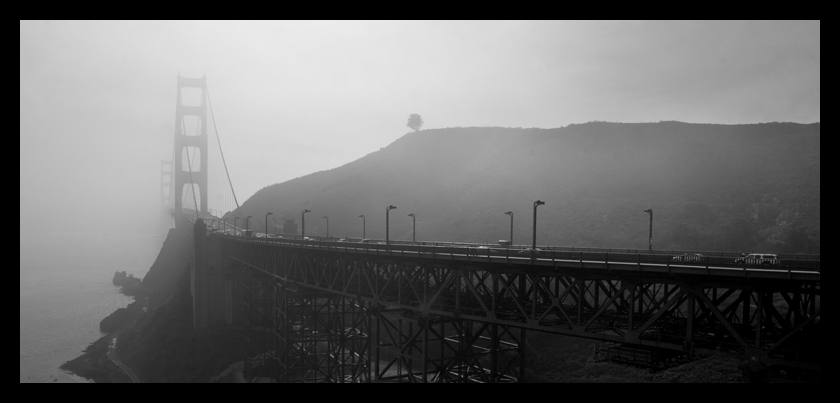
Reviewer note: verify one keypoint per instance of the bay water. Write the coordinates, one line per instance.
(66, 289)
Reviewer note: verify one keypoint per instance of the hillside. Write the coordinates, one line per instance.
(712, 187)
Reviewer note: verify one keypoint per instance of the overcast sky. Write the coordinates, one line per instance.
(97, 99)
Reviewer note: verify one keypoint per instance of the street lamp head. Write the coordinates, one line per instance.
(362, 216)
(324, 217)
(391, 207)
(305, 211)
(510, 213)
(539, 203)
(411, 215)
(649, 211)
(268, 214)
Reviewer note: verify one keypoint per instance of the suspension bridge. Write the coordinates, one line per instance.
(321, 309)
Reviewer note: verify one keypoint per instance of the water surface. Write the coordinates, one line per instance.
(66, 289)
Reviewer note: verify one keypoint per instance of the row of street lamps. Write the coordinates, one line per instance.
(414, 225)
(364, 230)
(540, 202)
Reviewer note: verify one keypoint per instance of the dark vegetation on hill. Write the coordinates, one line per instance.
(165, 271)
(93, 364)
(121, 317)
(712, 187)
(163, 346)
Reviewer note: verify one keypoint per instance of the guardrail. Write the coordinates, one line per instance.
(566, 256)
(544, 248)
(710, 257)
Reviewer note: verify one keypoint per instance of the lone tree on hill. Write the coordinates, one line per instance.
(415, 122)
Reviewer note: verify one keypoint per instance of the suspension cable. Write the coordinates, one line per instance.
(216, 130)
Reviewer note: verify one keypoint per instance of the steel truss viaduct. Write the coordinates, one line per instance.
(323, 312)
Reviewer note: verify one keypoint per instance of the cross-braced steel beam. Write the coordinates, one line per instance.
(411, 303)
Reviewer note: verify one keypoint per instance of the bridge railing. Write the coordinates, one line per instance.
(545, 248)
(517, 254)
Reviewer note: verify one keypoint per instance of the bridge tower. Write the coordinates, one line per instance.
(186, 144)
(165, 183)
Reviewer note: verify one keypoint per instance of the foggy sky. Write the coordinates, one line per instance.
(97, 99)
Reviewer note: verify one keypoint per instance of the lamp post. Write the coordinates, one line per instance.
(328, 226)
(510, 213)
(413, 227)
(650, 230)
(266, 222)
(235, 232)
(387, 211)
(363, 225)
(534, 245)
(303, 224)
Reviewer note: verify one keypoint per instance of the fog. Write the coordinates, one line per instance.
(97, 99)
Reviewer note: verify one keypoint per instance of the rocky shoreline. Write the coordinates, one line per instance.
(94, 364)
(129, 285)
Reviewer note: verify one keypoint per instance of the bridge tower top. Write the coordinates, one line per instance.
(190, 144)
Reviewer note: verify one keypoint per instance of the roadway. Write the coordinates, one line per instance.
(724, 264)
(115, 358)
(804, 267)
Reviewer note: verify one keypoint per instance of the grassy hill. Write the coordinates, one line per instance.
(712, 187)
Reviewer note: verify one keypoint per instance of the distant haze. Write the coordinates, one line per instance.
(97, 99)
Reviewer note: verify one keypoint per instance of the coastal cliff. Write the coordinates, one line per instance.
(156, 335)
(152, 295)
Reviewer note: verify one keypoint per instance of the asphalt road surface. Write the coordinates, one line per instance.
(112, 355)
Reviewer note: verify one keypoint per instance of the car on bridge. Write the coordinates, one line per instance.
(530, 252)
(483, 250)
(688, 258)
(759, 259)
